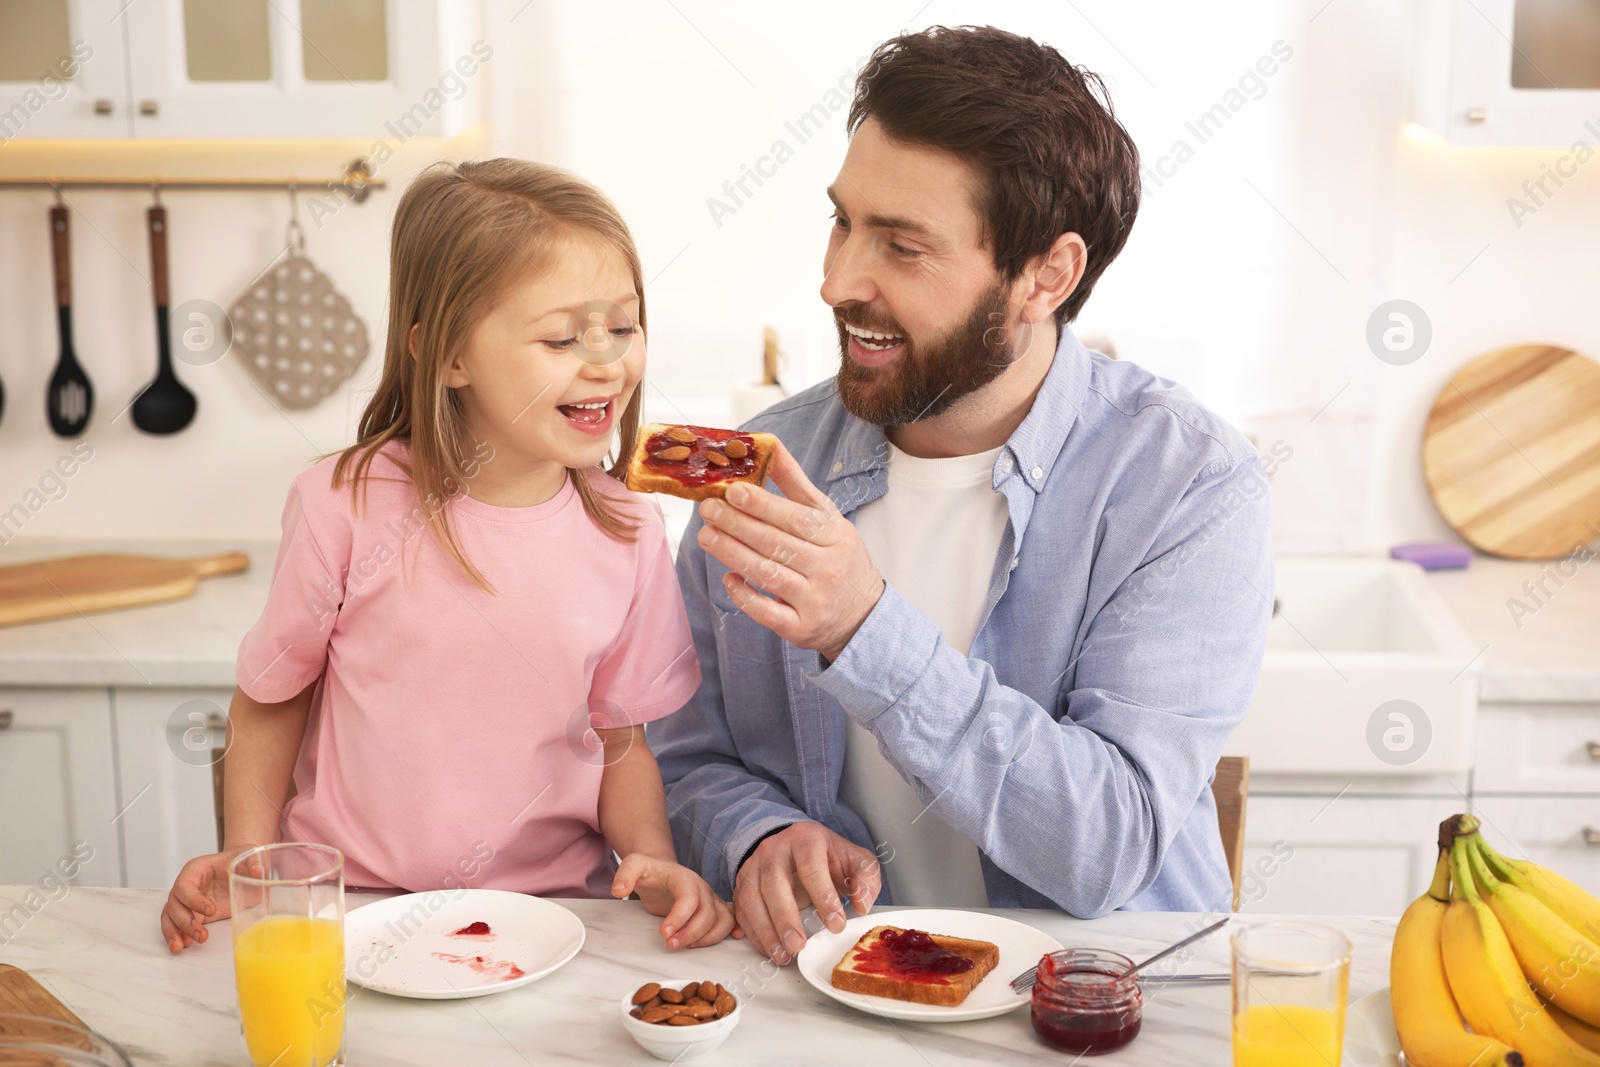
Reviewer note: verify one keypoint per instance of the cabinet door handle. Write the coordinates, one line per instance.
(103, 106)
(1591, 837)
(214, 720)
(149, 108)
(7, 717)
(1594, 750)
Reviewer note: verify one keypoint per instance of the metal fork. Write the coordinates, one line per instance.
(1024, 981)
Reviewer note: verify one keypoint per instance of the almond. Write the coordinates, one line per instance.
(692, 989)
(682, 434)
(646, 991)
(671, 996)
(724, 1003)
(675, 452)
(658, 1015)
(718, 458)
(683, 1020)
(736, 448)
(709, 991)
(701, 1010)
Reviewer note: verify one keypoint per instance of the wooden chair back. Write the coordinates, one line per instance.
(1231, 787)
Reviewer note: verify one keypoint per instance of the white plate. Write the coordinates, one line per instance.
(406, 945)
(1020, 948)
(1369, 1037)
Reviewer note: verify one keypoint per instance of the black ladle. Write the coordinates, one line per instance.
(70, 398)
(164, 406)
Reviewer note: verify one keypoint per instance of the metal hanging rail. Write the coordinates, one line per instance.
(357, 182)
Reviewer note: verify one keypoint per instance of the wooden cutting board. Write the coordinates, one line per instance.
(21, 993)
(1511, 452)
(69, 585)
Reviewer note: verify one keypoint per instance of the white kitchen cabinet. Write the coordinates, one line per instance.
(379, 70)
(1538, 748)
(1509, 72)
(58, 794)
(61, 71)
(1562, 833)
(1348, 855)
(167, 741)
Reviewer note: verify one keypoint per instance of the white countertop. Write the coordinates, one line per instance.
(1553, 656)
(100, 952)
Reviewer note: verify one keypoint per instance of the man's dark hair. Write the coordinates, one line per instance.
(1049, 153)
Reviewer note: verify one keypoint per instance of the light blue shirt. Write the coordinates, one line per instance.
(1075, 742)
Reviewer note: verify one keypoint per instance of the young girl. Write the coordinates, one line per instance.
(469, 620)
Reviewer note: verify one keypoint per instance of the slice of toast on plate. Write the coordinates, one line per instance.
(915, 966)
(696, 462)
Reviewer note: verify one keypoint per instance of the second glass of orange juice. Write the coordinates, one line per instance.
(288, 953)
(1291, 984)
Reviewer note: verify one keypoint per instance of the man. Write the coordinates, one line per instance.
(1013, 598)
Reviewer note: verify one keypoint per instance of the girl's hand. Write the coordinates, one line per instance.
(199, 895)
(695, 916)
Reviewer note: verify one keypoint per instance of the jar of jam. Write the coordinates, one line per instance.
(1082, 1004)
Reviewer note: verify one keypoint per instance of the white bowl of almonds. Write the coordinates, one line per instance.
(678, 1019)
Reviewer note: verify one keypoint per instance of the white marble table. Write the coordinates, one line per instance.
(100, 952)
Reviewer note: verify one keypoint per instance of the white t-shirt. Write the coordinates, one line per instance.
(934, 536)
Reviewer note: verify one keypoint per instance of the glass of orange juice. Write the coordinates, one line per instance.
(288, 953)
(1291, 984)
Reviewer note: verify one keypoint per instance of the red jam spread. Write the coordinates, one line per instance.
(474, 928)
(696, 468)
(492, 969)
(913, 956)
(1085, 1005)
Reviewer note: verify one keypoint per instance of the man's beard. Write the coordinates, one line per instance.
(926, 379)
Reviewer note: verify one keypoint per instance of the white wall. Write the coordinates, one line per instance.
(1250, 274)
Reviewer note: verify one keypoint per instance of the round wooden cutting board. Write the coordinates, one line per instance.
(1511, 452)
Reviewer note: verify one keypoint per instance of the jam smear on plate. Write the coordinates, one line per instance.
(493, 969)
(471, 929)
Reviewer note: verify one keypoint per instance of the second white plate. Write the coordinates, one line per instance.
(1369, 1037)
(412, 945)
(1020, 946)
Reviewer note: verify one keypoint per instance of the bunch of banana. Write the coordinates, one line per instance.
(1506, 945)
(1425, 1013)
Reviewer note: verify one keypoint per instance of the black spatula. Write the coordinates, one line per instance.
(71, 397)
(165, 406)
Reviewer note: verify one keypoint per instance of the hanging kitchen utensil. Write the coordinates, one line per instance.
(70, 397)
(297, 335)
(165, 406)
(1511, 452)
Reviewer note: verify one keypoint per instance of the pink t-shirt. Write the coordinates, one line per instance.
(449, 742)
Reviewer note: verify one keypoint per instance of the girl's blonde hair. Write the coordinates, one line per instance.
(463, 232)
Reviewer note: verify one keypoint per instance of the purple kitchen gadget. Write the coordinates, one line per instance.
(1432, 555)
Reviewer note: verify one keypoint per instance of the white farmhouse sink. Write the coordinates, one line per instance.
(1351, 637)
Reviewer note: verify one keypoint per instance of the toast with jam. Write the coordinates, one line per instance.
(696, 462)
(915, 965)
